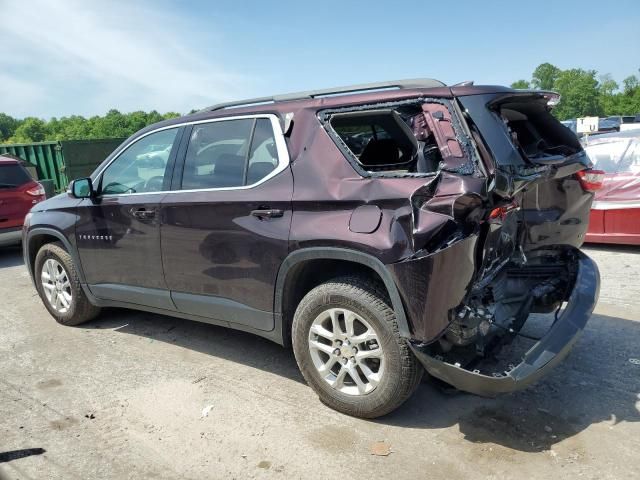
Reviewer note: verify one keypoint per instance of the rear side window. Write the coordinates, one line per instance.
(13, 176)
(416, 138)
(381, 140)
(230, 153)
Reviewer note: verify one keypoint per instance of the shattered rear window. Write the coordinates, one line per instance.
(538, 134)
(384, 140)
(358, 136)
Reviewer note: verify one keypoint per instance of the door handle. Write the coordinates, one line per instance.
(143, 213)
(266, 212)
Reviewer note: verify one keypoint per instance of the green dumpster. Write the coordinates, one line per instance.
(45, 156)
(81, 157)
(49, 187)
(63, 161)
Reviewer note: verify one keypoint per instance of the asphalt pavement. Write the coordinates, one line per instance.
(138, 395)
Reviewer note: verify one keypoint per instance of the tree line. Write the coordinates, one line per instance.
(112, 125)
(583, 93)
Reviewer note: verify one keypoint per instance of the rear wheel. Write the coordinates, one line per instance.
(59, 287)
(346, 342)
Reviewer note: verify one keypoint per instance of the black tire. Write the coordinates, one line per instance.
(80, 309)
(369, 300)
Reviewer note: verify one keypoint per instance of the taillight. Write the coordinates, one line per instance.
(36, 191)
(501, 212)
(591, 180)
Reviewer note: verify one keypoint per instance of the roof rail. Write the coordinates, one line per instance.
(400, 84)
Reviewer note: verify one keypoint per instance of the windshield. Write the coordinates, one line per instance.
(13, 175)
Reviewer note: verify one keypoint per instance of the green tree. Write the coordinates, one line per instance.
(137, 120)
(153, 117)
(607, 85)
(579, 94)
(112, 125)
(631, 84)
(630, 104)
(521, 84)
(544, 76)
(75, 127)
(31, 129)
(69, 128)
(8, 126)
(583, 95)
(607, 93)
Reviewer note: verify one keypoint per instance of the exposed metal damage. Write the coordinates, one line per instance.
(481, 257)
(464, 356)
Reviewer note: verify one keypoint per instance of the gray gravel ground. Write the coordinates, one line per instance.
(123, 397)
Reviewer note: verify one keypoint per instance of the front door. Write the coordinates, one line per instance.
(225, 227)
(118, 232)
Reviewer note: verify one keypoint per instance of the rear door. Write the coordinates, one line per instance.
(118, 233)
(225, 225)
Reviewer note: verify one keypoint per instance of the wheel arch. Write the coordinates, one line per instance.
(294, 281)
(40, 236)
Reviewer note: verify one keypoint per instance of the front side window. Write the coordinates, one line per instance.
(142, 167)
(229, 153)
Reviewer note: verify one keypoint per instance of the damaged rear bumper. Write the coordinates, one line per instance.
(541, 357)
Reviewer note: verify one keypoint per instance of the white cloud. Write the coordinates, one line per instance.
(14, 91)
(68, 56)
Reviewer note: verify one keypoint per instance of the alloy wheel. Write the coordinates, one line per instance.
(346, 352)
(56, 285)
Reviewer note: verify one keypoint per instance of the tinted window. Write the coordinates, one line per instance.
(230, 153)
(263, 158)
(142, 166)
(13, 176)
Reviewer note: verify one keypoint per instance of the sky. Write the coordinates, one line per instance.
(75, 57)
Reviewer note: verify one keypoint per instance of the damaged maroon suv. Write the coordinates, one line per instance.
(381, 230)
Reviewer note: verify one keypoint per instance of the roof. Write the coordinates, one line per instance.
(394, 90)
(411, 83)
(8, 159)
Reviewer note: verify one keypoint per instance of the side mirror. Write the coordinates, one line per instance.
(82, 188)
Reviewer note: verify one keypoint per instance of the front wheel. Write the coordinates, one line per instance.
(346, 342)
(59, 287)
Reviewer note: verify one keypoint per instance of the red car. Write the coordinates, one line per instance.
(18, 193)
(615, 214)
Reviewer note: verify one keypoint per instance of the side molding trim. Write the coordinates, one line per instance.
(223, 309)
(152, 297)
